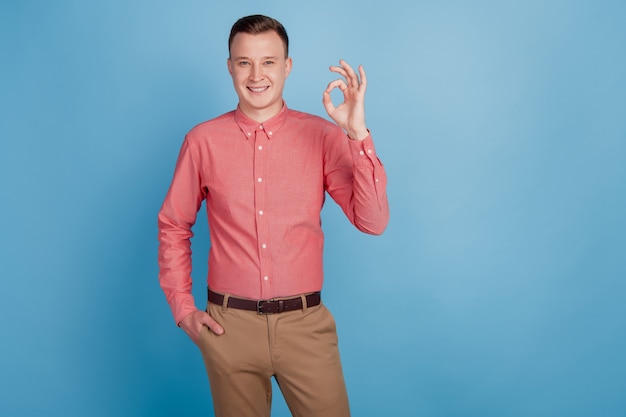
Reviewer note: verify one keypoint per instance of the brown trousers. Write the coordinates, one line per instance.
(298, 348)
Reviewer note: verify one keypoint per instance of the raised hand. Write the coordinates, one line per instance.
(350, 114)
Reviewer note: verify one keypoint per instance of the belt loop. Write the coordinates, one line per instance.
(304, 304)
(225, 302)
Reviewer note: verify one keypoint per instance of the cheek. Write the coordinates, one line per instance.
(281, 76)
(238, 74)
(239, 79)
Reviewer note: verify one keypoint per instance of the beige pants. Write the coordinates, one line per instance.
(298, 348)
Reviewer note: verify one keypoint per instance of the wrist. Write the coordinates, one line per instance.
(359, 134)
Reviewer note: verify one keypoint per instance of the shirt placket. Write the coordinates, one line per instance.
(262, 216)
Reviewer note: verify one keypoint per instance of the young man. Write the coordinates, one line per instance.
(263, 170)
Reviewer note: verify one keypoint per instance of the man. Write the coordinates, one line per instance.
(263, 170)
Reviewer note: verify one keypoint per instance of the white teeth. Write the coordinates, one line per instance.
(257, 89)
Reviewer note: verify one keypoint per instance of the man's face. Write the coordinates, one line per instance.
(259, 69)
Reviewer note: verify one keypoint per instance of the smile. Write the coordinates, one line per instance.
(258, 89)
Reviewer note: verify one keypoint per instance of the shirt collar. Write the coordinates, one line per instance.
(270, 126)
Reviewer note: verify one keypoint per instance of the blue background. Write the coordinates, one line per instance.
(498, 288)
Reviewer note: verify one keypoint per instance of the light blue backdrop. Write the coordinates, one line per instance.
(498, 288)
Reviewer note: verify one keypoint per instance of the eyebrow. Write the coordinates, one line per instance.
(239, 58)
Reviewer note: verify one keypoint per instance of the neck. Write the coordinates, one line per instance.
(261, 115)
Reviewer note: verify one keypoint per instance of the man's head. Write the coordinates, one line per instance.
(256, 24)
(259, 65)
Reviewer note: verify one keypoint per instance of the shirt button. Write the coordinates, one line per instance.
(369, 151)
(269, 133)
(265, 278)
(249, 134)
(260, 147)
(261, 127)
(260, 212)
(264, 246)
(260, 179)
(376, 180)
(361, 153)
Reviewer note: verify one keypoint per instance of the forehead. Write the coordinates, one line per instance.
(257, 45)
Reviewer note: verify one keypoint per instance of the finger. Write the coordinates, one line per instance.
(328, 102)
(215, 326)
(351, 76)
(340, 84)
(363, 77)
(339, 70)
(346, 71)
(207, 320)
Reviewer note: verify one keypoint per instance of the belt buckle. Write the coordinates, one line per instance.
(259, 306)
(262, 303)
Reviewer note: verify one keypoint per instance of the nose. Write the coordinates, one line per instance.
(256, 74)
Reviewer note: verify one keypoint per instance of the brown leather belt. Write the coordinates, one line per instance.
(267, 306)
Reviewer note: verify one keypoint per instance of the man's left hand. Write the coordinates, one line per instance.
(350, 115)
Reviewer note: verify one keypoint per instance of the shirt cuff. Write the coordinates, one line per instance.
(183, 306)
(363, 152)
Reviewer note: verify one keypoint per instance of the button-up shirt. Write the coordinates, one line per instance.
(264, 185)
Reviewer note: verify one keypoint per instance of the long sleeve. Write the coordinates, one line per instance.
(175, 220)
(356, 180)
(264, 186)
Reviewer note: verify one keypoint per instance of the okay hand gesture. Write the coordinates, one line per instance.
(350, 115)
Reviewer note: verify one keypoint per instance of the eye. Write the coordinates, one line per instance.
(268, 62)
(243, 63)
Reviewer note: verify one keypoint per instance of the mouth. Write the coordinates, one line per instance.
(258, 89)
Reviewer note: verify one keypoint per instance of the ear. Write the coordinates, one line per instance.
(229, 64)
(288, 66)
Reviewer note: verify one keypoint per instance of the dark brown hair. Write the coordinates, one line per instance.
(256, 24)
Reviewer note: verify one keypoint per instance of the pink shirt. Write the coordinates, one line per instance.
(264, 186)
